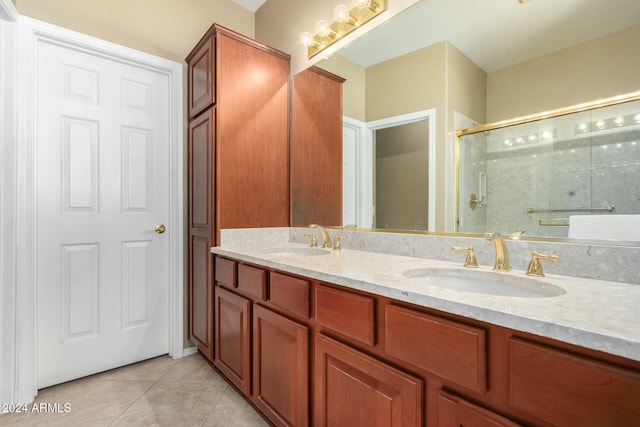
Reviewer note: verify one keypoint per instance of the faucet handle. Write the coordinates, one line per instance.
(314, 241)
(535, 267)
(337, 243)
(470, 261)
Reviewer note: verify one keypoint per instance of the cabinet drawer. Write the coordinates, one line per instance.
(454, 412)
(252, 281)
(225, 272)
(347, 313)
(451, 350)
(569, 390)
(289, 293)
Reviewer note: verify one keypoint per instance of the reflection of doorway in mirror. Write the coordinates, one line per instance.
(401, 176)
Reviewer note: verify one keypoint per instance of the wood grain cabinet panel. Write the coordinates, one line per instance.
(355, 390)
(226, 272)
(233, 338)
(202, 74)
(238, 160)
(569, 390)
(451, 350)
(290, 294)
(316, 148)
(201, 228)
(456, 412)
(346, 312)
(252, 281)
(200, 295)
(280, 368)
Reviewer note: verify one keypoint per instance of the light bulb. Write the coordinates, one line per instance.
(306, 39)
(341, 14)
(619, 121)
(364, 3)
(323, 29)
(600, 124)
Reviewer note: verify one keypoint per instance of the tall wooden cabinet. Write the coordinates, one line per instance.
(316, 148)
(238, 154)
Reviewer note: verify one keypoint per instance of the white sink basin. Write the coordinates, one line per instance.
(295, 251)
(485, 282)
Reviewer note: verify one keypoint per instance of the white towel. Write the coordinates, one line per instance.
(605, 227)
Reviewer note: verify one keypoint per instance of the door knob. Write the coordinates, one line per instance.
(160, 228)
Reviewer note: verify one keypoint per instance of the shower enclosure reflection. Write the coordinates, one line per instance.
(569, 174)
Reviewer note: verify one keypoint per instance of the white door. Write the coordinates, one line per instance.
(102, 188)
(349, 174)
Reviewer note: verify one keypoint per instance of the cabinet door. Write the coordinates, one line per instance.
(353, 389)
(201, 64)
(316, 148)
(201, 227)
(233, 339)
(456, 412)
(280, 368)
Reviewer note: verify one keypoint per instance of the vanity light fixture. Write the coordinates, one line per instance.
(345, 20)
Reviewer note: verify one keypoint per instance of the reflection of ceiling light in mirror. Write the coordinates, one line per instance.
(519, 140)
(533, 137)
(547, 134)
(508, 142)
(619, 121)
(600, 124)
(582, 127)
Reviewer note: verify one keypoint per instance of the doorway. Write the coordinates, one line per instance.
(401, 179)
(403, 171)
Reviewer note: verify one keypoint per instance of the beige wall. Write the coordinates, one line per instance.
(161, 27)
(401, 176)
(601, 68)
(353, 89)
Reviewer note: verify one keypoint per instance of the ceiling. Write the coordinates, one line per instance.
(252, 5)
(494, 33)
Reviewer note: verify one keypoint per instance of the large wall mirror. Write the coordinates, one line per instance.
(472, 62)
(570, 173)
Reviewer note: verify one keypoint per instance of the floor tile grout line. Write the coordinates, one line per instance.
(132, 403)
(213, 408)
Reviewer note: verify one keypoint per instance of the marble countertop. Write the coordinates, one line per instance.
(595, 314)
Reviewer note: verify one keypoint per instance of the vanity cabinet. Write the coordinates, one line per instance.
(456, 412)
(316, 148)
(353, 389)
(233, 338)
(565, 389)
(238, 155)
(324, 354)
(280, 368)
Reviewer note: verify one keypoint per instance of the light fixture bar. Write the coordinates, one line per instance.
(345, 21)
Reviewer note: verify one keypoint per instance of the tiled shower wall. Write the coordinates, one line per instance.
(583, 160)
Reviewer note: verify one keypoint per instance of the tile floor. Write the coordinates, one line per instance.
(156, 392)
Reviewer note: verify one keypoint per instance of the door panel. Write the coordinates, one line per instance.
(102, 154)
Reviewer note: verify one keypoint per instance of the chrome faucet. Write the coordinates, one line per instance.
(326, 239)
(502, 257)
